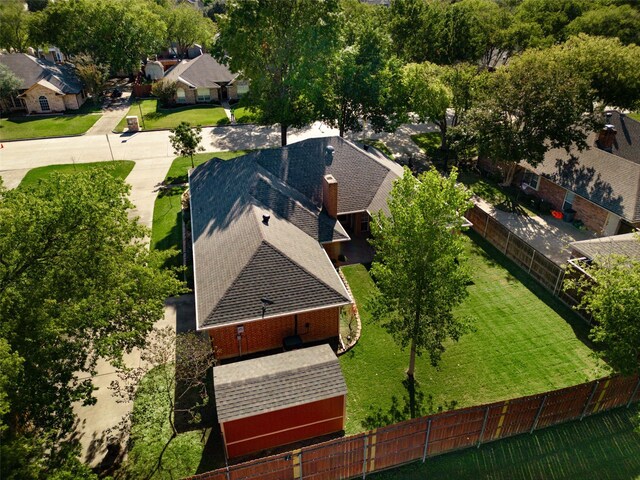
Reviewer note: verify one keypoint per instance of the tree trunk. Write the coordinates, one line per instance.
(412, 360)
(509, 174)
(283, 134)
(444, 147)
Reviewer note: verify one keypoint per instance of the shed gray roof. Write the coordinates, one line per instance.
(627, 245)
(603, 178)
(203, 71)
(275, 382)
(31, 70)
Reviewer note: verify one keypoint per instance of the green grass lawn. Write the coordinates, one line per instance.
(244, 115)
(197, 448)
(166, 230)
(604, 446)
(525, 342)
(18, 128)
(635, 116)
(429, 142)
(119, 168)
(159, 118)
(484, 188)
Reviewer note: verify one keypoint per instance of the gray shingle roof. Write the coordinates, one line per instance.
(203, 71)
(605, 179)
(32, 70)
(627, 144)
(275, 382)
(627, 245)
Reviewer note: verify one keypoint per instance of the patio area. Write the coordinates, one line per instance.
(546, 234)
(357, 250)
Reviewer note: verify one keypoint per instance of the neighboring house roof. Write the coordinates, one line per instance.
(238, 259)
(200, 72)
(31, 71)
(611, 180)
(627, 245)
(266, 384)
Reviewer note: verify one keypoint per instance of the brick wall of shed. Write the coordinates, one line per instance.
(593, 216)
(31, 98)
(268, 334)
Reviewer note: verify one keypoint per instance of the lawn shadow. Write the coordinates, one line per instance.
(414, 404)
(515, 273)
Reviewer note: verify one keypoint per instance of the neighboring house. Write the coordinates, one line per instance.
(204, 80)
(279, 399)
(601, 184)
(46, 87)
(626, 245)
(267, 229)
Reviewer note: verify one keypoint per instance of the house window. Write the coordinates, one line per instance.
(204, 95)
(364, 222)
(16, 102)
(531, 179)
(44, 103)
(568, 201)
(242, 87)
(180, 95)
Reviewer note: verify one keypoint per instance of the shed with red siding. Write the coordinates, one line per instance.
(279, 399)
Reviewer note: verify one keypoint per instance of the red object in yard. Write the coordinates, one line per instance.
(280, 399)
(556, 214)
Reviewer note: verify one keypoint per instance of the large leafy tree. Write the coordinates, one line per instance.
(186, 25)
(611, 294)
(416, 27)
(14, 19)
(361, 82)
(115, 32)
(94, 76)
(77, 283)
(284, 48)
(9, 83)
(534, 104)
(609, 21)
(419, 264)
(552, 15)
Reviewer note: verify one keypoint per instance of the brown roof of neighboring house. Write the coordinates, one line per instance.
(275, 382)
(611, 180)
(238, 259)
(627, 245)
(31, 70)
(201, 72)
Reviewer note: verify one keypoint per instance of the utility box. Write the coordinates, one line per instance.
(132, 123)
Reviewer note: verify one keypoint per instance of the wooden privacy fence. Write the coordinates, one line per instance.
(546, 272)
(419, 438)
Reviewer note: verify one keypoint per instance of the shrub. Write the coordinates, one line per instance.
(165, 91)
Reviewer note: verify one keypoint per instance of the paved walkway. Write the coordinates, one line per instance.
(546, 234)
(111, 116)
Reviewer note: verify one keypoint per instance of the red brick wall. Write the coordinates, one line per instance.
(333, 250)
(592, 215)
(268, 334)
(552, 193)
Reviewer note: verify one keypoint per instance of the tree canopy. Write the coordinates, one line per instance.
(14, 19)
(419, 264)
(77, 283)
(186, 26)
(283, 47)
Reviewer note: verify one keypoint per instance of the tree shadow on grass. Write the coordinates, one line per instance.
(414, 404)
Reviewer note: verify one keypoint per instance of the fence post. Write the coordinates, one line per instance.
(507, 244)
(633, 394)
(531, 264)
(426, 440)
(484, 425)
(227, 472)
(535, 420)
(556, 289)
(364, 460)
(586, 406)
(486, 224)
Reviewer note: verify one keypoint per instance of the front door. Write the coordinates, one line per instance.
(223, 93)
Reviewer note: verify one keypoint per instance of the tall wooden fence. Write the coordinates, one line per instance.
(420, 438)
(548, 273)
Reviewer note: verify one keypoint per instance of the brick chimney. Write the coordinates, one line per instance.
(606, 138)
(330, 195)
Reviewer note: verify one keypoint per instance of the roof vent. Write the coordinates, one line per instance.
(265, 219)
(329, 149)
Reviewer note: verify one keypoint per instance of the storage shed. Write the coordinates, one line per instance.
(279, 399)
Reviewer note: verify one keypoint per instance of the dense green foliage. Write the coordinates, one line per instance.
(419, 263)
(77, 284)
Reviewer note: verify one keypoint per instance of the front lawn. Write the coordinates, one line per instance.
(525, 342)
(20, 128)
(119, 168)
(606, 445)
(378, 144)
(156, 118)
(635, 116)
(166, 231)
(428, 142)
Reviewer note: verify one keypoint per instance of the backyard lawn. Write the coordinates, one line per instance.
(119, 168)
(379, 144)
(18, 128)
(167, 212)
(428, 142)
(604, 446)
(525, 342)
(635, 116)
(159, 118)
